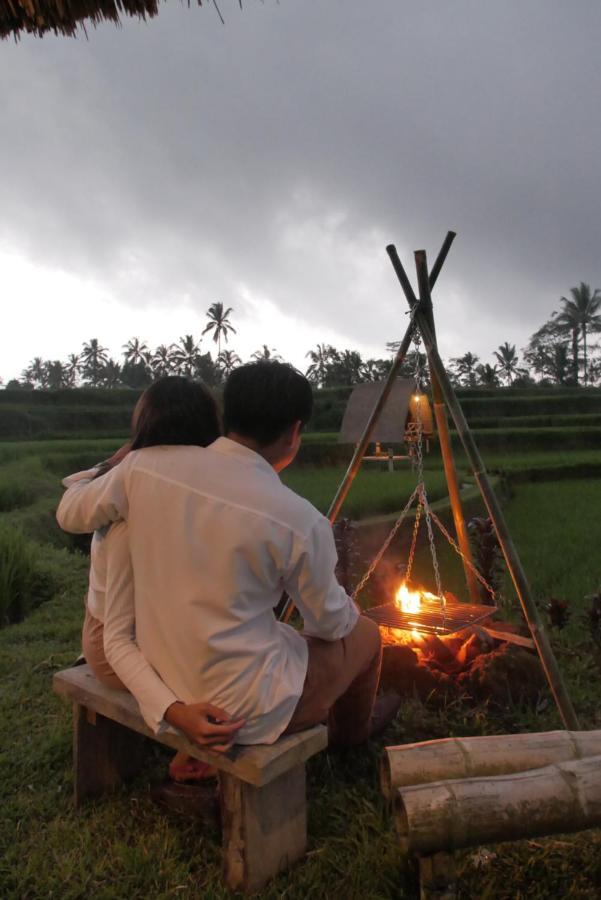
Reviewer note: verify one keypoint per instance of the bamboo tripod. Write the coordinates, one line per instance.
(445, 399)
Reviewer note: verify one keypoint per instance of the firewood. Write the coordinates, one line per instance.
(453, 758)
(449, 815)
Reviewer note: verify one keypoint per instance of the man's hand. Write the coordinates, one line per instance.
(204, 724)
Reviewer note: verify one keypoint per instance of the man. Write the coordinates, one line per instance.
(215, 538)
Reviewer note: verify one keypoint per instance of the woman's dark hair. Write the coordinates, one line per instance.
(263, 399)
(175, 410)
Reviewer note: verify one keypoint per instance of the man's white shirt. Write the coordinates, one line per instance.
(214, 539)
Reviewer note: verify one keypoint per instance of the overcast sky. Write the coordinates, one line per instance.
(151, 170)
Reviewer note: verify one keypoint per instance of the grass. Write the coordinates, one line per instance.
(123, 847)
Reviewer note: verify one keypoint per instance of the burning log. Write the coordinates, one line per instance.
(456, 758)
(449, 815)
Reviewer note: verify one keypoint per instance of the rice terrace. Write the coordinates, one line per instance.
(300, 569)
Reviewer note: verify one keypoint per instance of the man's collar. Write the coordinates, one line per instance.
(243, 454)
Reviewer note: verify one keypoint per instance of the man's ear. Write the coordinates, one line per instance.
(294, 432)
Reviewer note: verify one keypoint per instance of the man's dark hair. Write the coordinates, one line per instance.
(263, 399)
(175, 410)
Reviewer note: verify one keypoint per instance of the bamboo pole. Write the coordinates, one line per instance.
(450, 815)
(471, 757)
(440, 415)
(535, 624)
(446, 448)
(359, 453)
(357, 458)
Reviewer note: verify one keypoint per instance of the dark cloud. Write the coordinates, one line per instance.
(184, 161)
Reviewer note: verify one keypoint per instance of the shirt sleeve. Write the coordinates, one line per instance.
(120, 647)
(327, 610)
(90, 502)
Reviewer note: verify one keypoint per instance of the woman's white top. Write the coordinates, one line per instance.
(214, 539)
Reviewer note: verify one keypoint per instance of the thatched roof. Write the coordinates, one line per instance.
(68, 16)
(391, 424)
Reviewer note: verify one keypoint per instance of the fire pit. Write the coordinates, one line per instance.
(434, 645)
(425, 613)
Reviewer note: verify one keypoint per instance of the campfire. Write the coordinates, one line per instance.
(435, 645)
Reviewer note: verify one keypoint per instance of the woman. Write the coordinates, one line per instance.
(172, 411)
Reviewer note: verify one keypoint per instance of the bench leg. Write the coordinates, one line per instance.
(105, 753)
(264, 828)
(438, 877)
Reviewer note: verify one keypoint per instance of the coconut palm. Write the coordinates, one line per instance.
(488, 376)
(185, 355)
(320, 358)
(93, 358)
(163, 361)
(110, 375)
(508, 361)
(136, 351)
(266, 353)
(73, 366)
(465, 368)
(36, 373)
(345, 367)
(579, 316)
(227, 361)
(57, 375)
(219, 324)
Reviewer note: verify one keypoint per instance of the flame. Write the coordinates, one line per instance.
(408, 601)
(412, 602)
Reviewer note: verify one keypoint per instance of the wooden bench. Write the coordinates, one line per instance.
(262, 787)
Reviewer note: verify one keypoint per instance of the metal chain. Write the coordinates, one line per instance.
(385, 545)
(467, 561)
(428, 517)
(416, 524)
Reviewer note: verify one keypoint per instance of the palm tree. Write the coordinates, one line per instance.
(508, 361)
(219, 324)
(488, 375)
(465, 367)
(162, 361)
(320, 358)
(227, 361)
(73, 366)
(36, 372)
(579, 316)
(185, 355)
(110, 375)
(266, 353)
(94, 358)
(57, 375)
(136, 351)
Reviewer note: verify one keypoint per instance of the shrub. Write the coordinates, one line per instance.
(13, 495)
(24, 583)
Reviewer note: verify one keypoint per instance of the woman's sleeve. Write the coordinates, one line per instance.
(90, 502)
(120, 647)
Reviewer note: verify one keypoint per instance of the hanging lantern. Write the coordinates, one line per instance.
(419, 414)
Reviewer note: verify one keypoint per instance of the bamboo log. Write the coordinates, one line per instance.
(455, 758)
(449, 815)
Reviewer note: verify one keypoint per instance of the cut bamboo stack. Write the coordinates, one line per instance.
(462, 792)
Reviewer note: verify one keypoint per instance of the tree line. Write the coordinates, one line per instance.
(559, 352)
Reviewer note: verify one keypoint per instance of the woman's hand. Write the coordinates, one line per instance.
(117, 456)
(204, 724)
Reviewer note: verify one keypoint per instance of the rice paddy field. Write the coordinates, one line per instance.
(125, 847)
